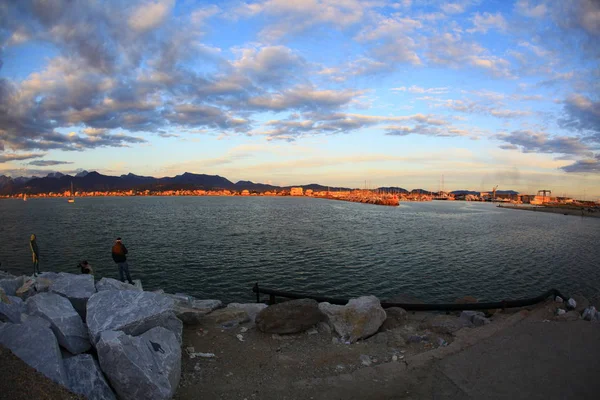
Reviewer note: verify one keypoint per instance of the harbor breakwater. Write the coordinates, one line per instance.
(109, 339)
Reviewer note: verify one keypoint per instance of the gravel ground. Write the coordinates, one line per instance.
(21, 382)
(266, 366)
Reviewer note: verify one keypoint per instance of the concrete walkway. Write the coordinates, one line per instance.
(532, 360)
(520, 357)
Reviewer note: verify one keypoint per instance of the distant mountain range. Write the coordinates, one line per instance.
(93, 181)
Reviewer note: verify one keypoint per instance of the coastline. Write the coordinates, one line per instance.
(554, 210)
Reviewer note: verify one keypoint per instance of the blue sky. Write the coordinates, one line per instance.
(337, 92)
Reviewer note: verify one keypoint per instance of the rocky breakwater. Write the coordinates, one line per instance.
(102, 340)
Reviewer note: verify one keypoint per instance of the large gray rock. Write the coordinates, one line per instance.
(35, 321)
(66, 322)
(11, 285)
(86, 378)
(358, 319)
(77, 288)
(143, 367)
(396, 317)
(113, 284)
(189, 310)
(37, 346)
(252, 309)
(11, 311)
(133, 312)
(289, 317)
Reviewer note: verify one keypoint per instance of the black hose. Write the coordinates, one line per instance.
(420, 307)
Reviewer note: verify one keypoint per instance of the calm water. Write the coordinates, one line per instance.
(217, 247)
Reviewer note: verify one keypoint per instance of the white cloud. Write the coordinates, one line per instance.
(150, 15)
(486, 21)
(524, 7)
(420, 90)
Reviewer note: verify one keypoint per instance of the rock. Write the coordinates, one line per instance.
(37, 346)
(85, 378)
(365, 360)
(571, 304)
(324, 327)
(34, 320)
(77, 288)
(113, 284)
(558, 299)
(27, 289)
(133, 312)
(447, 324)
(358, 319)
(466, 300)
(589, 313)
(137, 283)
(252, 309)
(143, 367)
(396, 318)
(582, 303)
(568, 316)
(190, 311)
(231, 316)
(42, 284)
(560, 311)
(66, 322)
(379, 338)
(11, 285)
(4, 297)
(289, 317)
(11, 310)
(479, 320)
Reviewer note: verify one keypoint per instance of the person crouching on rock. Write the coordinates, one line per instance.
(86, 268)
(119, 252)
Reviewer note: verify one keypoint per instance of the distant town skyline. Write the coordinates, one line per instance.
(334, 92)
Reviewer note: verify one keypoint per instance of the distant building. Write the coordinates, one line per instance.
(245, 192)
(296, 191)
(309, 192)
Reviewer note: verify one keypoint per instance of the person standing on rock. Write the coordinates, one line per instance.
(119, 252)
(35, 252)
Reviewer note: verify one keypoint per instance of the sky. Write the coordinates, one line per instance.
(464, 94)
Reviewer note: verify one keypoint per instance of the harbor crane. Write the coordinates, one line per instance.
(494, 192)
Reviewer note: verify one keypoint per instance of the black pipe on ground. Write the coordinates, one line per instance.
(414, 307)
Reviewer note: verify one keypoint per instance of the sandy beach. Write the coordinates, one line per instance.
(578, 212)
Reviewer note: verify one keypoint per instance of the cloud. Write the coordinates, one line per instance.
(541, 142)
(317, 123)
(486, 21)
(302, 98)
(7, 157)
(457, 7)
(526, 8)
(391, 40)
(272, 65)
(47, 163)
(581, 114)
(150, 15)
(426, 130)
(420, 90)
(284, 18)
(588, 165)
(451, 50)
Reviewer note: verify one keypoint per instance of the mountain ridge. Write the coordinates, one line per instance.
(57, 182)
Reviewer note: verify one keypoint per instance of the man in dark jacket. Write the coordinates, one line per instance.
(119, 252)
